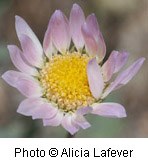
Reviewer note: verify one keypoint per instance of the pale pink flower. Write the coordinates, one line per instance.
(63, 83)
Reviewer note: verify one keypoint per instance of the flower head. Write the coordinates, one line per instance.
(67, 79)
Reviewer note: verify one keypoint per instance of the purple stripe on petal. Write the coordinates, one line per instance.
(109, 110)
(54, 121)
(32, 53)
(23, 28)
(29, 106)
(69, 125)
(60, 31)
(16, 57)
(109, 66)
(95, 78)
(77, 18)
(84, 110)
(124, 77)
(81, 121)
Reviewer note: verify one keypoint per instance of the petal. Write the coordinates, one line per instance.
(95, 78)
(26, 84)
(60, 31)
(45, 111)
(109, 67)
(29, 106)
(38, 108)
(93, 28)
(109, 110)
(77, 18)
(16, 57)
(29, 87)
(47, 43)
(90, 43)
(69, 125)
(81, 121)
(12, 77)
(23, 28)
(84, 110)
(121, 59)
(54, 121)
(125, 76)
(31, 52)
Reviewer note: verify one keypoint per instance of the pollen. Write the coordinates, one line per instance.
(64, 80)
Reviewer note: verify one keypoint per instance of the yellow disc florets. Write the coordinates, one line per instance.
(64, 80)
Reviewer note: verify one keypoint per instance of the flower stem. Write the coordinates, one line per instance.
(70, 136)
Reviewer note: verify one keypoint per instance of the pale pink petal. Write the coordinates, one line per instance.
(45, 111)
(121, 59)
(92, 28)
(47, 43)
(95, 78)
(31, 52)
(38, 108)
(109, 110)
(60, 31)
(109, 67)
(81, 121)
(29, 87)
(54, 121)
(90, 42)
(16, 57)
(29, 106)
(23, 28)
(77, 18)
(26, 84)
(68, 124)
(12, 77)
(84, 110)
(125, 76)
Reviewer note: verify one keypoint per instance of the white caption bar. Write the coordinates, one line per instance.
(73, 150)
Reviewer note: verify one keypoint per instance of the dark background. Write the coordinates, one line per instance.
(124, 24)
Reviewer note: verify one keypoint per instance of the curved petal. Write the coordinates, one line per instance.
(60, 31)
(16, 57)
(124, 77)
(23, 28)
(29, 87)
(84, 110)
(38, 108)
(95, 78)
(94, 32)
(109, 110)
(45, 111)
(109, 66)
(31, 52)
(26, 84)
(68, 124)
(12, 77)
(90, 43)
(81, 122)
(76, 20)
(28, 106)
(54, 121)
(47, 43)
(121, 59)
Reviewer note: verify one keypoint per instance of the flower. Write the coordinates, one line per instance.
(65, 80)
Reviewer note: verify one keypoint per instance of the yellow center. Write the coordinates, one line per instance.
(64, 80)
